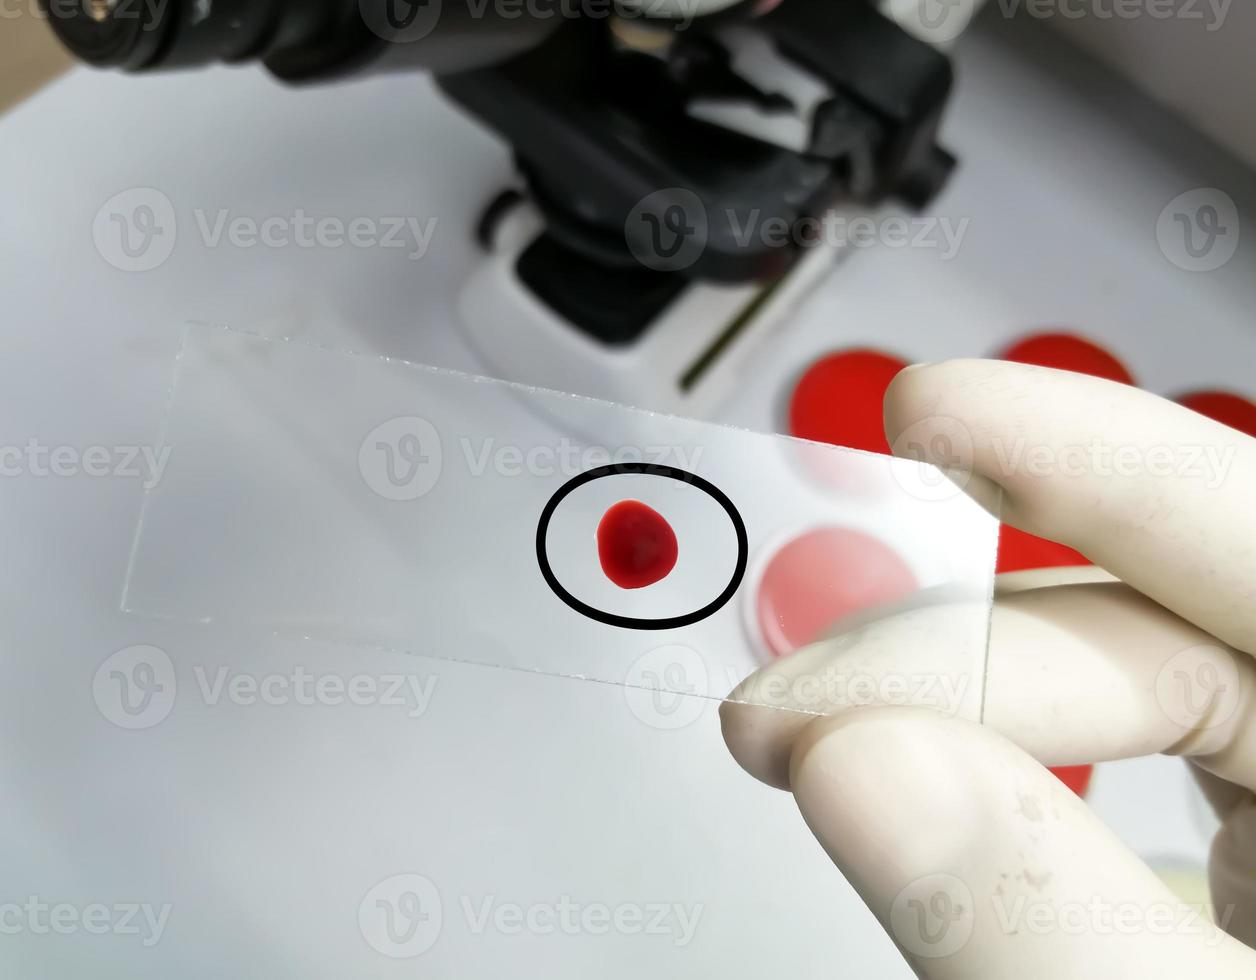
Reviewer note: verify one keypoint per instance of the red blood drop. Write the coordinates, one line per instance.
(1068, 352)
(1076, 778)
(636, 545)
(821, 576)
(1019, 551)
(1221, 406)
(838, 400)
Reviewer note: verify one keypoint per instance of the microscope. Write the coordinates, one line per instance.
(687, 169)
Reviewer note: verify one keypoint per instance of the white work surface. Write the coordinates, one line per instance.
(264, 828)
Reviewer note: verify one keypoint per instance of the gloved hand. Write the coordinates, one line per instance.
(976, 860)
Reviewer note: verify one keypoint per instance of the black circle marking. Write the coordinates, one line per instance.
(630, 622)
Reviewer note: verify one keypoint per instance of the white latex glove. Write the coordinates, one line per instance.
(977, 861)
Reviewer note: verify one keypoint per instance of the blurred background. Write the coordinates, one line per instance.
(1081, 193)
(31, 55)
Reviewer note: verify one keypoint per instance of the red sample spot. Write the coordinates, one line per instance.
(636, 545)
(1019, 551)
(1068, 352)
(1076, 778)
(1221, 406)
(838, 400)
(821, 576)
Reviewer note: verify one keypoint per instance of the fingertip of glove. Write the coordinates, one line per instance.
(876, 782)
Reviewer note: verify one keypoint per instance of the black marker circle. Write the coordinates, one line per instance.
(629, 622)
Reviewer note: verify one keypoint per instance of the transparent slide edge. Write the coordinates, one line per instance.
(364, 500)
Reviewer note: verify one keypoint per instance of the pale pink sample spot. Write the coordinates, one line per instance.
(821, 576)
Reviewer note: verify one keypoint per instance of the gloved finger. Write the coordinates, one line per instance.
(1156, 494)
(1074, 674)
(1042, 578)
(980, 865)
(894, 658)
(761, 740)
(1090, 673)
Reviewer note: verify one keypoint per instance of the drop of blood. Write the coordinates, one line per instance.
(636, 545)
(1222, 406)
(1068, 352)
(1019, 551)
(1076, 778)
(838, 399)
